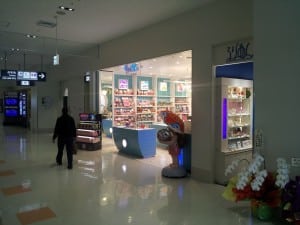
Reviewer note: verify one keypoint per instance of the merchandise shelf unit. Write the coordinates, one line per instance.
(182, 100)
(234, 123)
(165, 100)
(124, 113)
(89, 132)
(139, 100)
(145, 101)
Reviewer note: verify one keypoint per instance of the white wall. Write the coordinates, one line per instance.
(198, 30)
(277, 77)
(44, 114)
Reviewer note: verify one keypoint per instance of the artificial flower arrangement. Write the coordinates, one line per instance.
(257, 184)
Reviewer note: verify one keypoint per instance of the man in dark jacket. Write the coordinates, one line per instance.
(65, 130)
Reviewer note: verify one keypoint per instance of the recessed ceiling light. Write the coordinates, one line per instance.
(15, 49)
(66, 8)
(31, 36)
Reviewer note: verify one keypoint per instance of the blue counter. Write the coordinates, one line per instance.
(107, 124)
(138, 142)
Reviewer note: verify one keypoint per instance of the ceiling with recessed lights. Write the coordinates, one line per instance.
(31, 31)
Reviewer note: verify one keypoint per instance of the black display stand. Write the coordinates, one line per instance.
(89, 132)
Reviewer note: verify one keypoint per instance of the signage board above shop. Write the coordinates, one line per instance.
(23, 75)
(233, 52)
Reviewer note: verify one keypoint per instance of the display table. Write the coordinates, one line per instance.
(107, 125)
(135, 142)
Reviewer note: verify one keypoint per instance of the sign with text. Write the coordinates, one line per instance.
(9, 74)
(23, 75)
(25, 83)
(233, 52)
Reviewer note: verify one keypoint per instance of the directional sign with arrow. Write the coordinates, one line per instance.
(42, 76)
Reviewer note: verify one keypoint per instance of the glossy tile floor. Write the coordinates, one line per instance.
(103, 188)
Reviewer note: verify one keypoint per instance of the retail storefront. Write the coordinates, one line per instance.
(131, 98)
(198, 31)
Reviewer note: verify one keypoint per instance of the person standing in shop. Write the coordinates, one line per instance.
(65, 131)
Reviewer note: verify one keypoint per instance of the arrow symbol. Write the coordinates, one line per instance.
(42, 76)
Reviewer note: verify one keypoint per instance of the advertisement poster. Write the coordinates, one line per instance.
(180, 87)
(144, 85)
(123, 84)
(163, 86)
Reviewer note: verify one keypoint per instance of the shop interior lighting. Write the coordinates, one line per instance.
(66, 8)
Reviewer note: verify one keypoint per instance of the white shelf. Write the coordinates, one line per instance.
(239, 137)
(239, 114)
(237, 126)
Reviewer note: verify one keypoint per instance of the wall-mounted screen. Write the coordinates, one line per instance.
(11, 112)
(11, 101)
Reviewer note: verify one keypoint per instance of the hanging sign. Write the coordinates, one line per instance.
(23, 75)
(25, 83)
(9, 74)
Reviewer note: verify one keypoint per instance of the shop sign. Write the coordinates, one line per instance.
(131, 68)
(233, 52)
(239, 51)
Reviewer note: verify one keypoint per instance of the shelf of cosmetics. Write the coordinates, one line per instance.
(127, 104)
(131, 92)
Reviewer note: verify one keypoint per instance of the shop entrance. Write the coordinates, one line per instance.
(142, 90)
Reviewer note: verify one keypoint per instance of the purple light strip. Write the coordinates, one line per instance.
(224, 118)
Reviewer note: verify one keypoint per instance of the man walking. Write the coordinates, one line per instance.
(65, 130)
